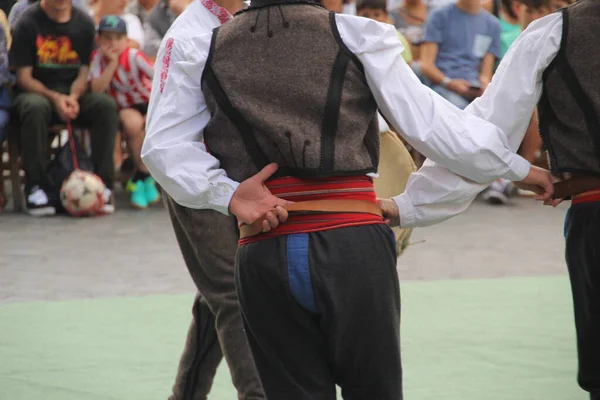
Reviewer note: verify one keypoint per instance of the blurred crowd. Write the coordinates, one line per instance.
(91, 62)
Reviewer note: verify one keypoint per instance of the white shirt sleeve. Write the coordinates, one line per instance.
(467, 145)
(173, 150)
(433, 193)
(135, 30)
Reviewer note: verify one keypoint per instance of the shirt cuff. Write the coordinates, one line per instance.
(408, 212)
(518, 169)
(223, 195)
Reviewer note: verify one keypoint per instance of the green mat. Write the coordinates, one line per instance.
(462, 340)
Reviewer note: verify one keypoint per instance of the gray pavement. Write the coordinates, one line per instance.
(133, 253)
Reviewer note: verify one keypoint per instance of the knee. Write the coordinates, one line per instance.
(133, 124)
(103, 103)
(32, 105)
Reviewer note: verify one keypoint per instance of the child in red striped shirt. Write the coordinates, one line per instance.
(126, 74)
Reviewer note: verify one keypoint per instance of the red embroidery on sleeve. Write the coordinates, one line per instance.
(216, 10)
(166, 62)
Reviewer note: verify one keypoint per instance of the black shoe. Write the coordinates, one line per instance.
(38, 203)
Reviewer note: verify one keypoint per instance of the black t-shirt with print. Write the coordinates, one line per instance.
(55, 50)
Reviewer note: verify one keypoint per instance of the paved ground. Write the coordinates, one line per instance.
(134, 253)
(507, 338)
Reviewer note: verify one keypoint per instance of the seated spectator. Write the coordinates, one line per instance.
(159, 21)
(460, 47)
(409, 19)
(334, 5)
(534, 9)
(126, 74)
(51, 50)
(558, 4)
(6, 78)
(141, 8)
(510, 23)
(377, 10)
(532, 142)
(6, 28)
(21, 5)
(135, 30)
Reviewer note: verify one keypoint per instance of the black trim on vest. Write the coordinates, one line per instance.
(338, 38)
(547, 116)
(332, 111)
(563, 67)
(244, 128)
(373, 151)
(211, 50)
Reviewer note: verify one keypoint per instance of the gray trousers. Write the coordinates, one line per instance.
(208, 242)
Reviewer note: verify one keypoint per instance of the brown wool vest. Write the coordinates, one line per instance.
(282, 87)
(569, 109)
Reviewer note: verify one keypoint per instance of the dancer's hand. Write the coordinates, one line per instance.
(391, 213)
(539, 181)
(252, 201)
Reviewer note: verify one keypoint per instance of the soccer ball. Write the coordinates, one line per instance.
(82, 194)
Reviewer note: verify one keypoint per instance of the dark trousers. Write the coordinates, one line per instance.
(583, 261)
(322, 309)
(208, 242)
(35, 113)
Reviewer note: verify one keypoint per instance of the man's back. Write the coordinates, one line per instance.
(570, 105)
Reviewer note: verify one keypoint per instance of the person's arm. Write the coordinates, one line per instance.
(486, 70)
(433, 36)
(6, 26)
(80, 85)
(28, 83)
(434, 193)
(144, 64)
(429, 52)
(173, 149)
(22, 58)
(99, 81)
(469, 146)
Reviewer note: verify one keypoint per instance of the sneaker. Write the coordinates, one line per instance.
(511, 190)
(137, 194)
(109, 202)
(38, 203)
(495, 193)
(152, 193)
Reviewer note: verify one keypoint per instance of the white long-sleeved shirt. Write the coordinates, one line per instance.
(434, 194)
(173, 149)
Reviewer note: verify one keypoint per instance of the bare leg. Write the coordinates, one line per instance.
(133, 122)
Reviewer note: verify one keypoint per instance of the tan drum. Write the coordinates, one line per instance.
(395, 166)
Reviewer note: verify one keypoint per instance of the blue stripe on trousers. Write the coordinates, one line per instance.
(299, 272)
